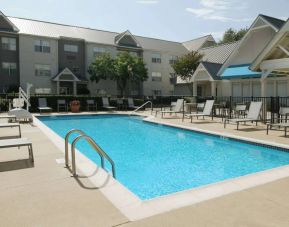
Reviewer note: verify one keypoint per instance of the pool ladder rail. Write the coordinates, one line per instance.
(103, 155)
(143, 105)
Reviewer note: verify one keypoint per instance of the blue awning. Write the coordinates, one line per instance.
(239, 71)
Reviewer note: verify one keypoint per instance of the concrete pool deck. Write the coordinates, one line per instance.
(46, 195)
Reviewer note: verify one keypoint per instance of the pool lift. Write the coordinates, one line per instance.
(18, 104)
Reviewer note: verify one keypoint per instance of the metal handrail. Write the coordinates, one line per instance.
(100, 152)
(144, 105)
(66, 143)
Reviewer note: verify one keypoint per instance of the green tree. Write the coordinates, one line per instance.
(185, 66)
(123, 69)
(232, 35)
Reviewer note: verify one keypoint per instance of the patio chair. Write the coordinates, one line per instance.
(130, 103)
(61, 104)
(10, 118)
(178, 108)
(240, 110)
(200, 107)
(42, 105)
(253, 115)
(208, 111)
(91, 105)
(12, 125)
(283, 112)
(19, 142)
(120, 104)
(105, 104)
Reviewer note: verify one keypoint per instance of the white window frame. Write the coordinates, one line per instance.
(156, 76)
(42, 70)
(156, 58)
(71, 48)
(42, 46)
(173, 59)
(10, 66)
(98, 51)
(9, 43)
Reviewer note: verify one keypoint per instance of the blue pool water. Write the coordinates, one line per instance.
(153, 160)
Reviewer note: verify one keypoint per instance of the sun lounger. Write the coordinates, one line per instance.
(208, 111)
(178, 108)
(11, 125)
(20, 142)
(9, 117)
(130, 103)
(284, 125)
(253, 115)
(105, 104)
(42, 105)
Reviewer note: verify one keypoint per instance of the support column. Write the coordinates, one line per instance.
(263, 87)
(195, 88)
(74, 88)
(213, 88)
(57, 87)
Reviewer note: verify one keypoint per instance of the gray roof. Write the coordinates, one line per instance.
(54, 30)
(196, 44)
(212, 68)
(277, 23)
(219, 53)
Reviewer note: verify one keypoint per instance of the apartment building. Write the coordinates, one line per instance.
(55, 57)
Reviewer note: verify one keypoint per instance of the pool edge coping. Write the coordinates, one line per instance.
(134, 208)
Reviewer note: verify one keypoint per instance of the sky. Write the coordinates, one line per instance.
(174, 20)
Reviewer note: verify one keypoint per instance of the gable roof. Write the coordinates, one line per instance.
(270, 47)
(196, 44)
(8, 23)
(122, 35)
(212, 68)
(218, 54)
(54, 30)
(277, 23)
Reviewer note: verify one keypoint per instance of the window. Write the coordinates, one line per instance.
(9, 68)
(134, 54)
(42, 46)
(156, 76)
(70, 48)
(157, 92)
(8, 43)
(42, 70)
(156, 58)
(173, 59)
(98, 51)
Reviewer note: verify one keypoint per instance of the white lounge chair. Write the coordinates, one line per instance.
(12, 125)
(178, 108)
(8, 117)
(207, 111)
(42, 105)
(283, 112)
(105, 104)
(20, 142)
(253, 115)
(130, 103)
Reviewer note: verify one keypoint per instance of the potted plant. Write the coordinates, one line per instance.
(74, 106)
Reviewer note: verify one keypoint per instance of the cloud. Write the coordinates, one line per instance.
(218, 9)
(147, 2)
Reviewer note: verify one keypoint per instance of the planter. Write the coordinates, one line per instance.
(74, 106)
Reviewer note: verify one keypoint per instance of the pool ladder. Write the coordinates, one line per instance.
(93, 144)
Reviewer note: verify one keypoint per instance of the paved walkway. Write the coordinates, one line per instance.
(46, 194)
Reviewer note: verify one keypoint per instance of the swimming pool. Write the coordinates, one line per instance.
(153, 160)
